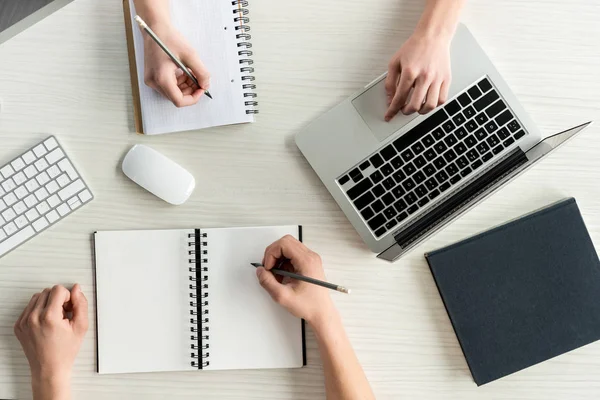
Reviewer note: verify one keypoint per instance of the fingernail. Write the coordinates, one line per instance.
(259, 271)
(387, 119)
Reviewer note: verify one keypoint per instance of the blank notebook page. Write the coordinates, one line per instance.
(209, 28)
(247, 328)
(141, 281)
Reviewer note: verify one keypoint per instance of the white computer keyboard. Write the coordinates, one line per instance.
(38, 189)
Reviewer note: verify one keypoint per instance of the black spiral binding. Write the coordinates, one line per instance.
(199, 320)
(241, 19)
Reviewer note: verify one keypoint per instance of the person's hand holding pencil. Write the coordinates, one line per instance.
(304, 300)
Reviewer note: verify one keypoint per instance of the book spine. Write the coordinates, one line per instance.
(242, 27)
(198, 287)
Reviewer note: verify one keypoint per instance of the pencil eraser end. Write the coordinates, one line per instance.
(140, 21)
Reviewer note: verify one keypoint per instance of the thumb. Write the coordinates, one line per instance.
(80, 310)
(278, 292)
(198, 69)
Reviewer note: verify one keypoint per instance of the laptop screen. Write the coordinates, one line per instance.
(17, 15)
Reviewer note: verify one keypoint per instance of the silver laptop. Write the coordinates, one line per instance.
(18, 15)
(398, 182)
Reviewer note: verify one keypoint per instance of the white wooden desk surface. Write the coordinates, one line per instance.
(69, 76)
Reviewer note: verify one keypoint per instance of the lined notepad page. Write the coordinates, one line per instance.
(209, 27)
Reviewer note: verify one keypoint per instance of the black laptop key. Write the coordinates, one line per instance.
(450, 140)
(376, 160)
(390, 212)
(367, 213)
(418, 177)
(493, 140)
(377, 221)
(431, 183)
(513, 126)
(452, 108)
(421, 191)
(486, 100)
(464, 100)
(412, 209)
(428, 140)
(441, 176)
(451, 169)
(455, 179)
(448, 126)
(471, 125)
(498, 149)
(380, 231)
(491, 127)
(459, 119)
(388, 152)
(429, 169)
(460, 148)
(377, 206)
(399, 176)
(364, 200)
(438, 134)
(376, 177)
(388, 199)
(400, 205)
(439, 162)
(487, 156)
(391, 224)
(474, 92)
(410, 198)
(423, 201)
(417, 148)
(440, 147)
(481, 119)
(430, 154)
(356, 178)
(355, 172)
(480, 134)
(378, 190)
(396, 162)
(444, 186)
(407, 155)
(472, 155)
(503, 133)
(433, 194)
(450, 155)
(469, 112)
(409, 169)
(416, 133)
(402, 216)
(470, 141)
(419, 161)
(343, 179)
(485, 85)
(398, 192)
(360, 188)
(495, 108)
(389, 183)
(476, 164)
(365, 165)
(408, 184)
(519, 134)
(504, 118)
(460, 133)
(508, 142)
(465, 172)
(386, 169)
(462, 162)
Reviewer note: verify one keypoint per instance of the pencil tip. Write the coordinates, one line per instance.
(208, 94)
(256, 265)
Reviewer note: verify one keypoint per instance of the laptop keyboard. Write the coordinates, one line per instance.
(450, 145)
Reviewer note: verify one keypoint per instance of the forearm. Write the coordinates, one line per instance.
(153, 11)
(440, 18)
(344, 377)
(50, 387)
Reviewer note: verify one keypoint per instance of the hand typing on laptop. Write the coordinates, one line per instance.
(161, 73)
(419, 74)
(344, 377)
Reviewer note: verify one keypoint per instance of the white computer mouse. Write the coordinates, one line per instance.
(158, 174)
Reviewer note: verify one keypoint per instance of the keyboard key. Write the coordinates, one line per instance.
(486, 100)
(508, 142)
(462, 162)
(18, 164)
(451, 169)
(438, 134)
(364, 200)
(389, 183)
(450, 140)
(465, 172)
(380, 231)
(354, 172)
(391, 224)
(519, 134)
(343, 180)
(448, 126)
(480, 134)
(39, 150)
(19, 178)
(487, 157)
(7, 171)
(10, 228)
(431, 183)
(504, 118)
(493, 140)
(464, 100)
(430, 154)
(474, 92)
(444, 186)
(396, 162)
(376, 221)
(376, 177)
(19, 208)
(428, 140)
(30, 201)
(386, 169)
(441, 176)
(460, 148)
(417, 148)
(423, 201)
(399, 176)
(433, 194)
(440, 147)
(15, 240)
(365, 165)
(53, 171)
(40, 224)
(8, 185)
(503, 133)
(43, 178)
(390, 212)
(32, 185)
(353, 193)
(471, 125)
(481, 119)
(41, 194)
(50, 143)
(54, 156)
(470, 141)
(455, 179)
(377, 206)
(400, 205)
(412, 209)
(408, 184)
(410, 198)
(388, 199)
(421, 190)
(367, 213)
(378, 190)
(357, 178)
(42, 208)
(472, 155)
(409, 169)
(420, 161)
(491, 127)
(407, 155)
(450, 155)
(32, 215)
(21, 221)
(495, 108)
(388, 152)
(458, 119)
(476, 164)
(30, 172)
(401, 217)
(513, 126)
(398, 192)
(52, 216)
(429, 169)
(41, 164)
(452, 108)
(10, 199)
(66, 166)
(416, 133)
(460, 133)
(75, 203)
(482, 148)
(376, 160)
(28, 157)
(484, 85)
(469, 112)
(497, 150)
(439, 162)
(8, 215)
(63, 209)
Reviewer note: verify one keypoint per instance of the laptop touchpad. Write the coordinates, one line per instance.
(371, 105)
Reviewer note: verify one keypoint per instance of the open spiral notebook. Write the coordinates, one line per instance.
(188, 299)
(218, 31)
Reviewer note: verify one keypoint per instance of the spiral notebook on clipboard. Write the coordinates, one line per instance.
(188, 299)
(218, 31)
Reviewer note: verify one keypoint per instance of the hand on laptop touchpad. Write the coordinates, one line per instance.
(371, 105)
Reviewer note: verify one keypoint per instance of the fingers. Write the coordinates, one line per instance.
(407, 80)
(26, 312)
(193, 62)
(391, 81)
(431, 99)
(278, 292)
(287, 247)
(417, 97)
(40, 304)
(59, 296)
(80, 310)
(444, 91)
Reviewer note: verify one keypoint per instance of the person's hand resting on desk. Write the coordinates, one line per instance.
(51, 340)
(419, 74)
(344, 377)
(161, 73)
